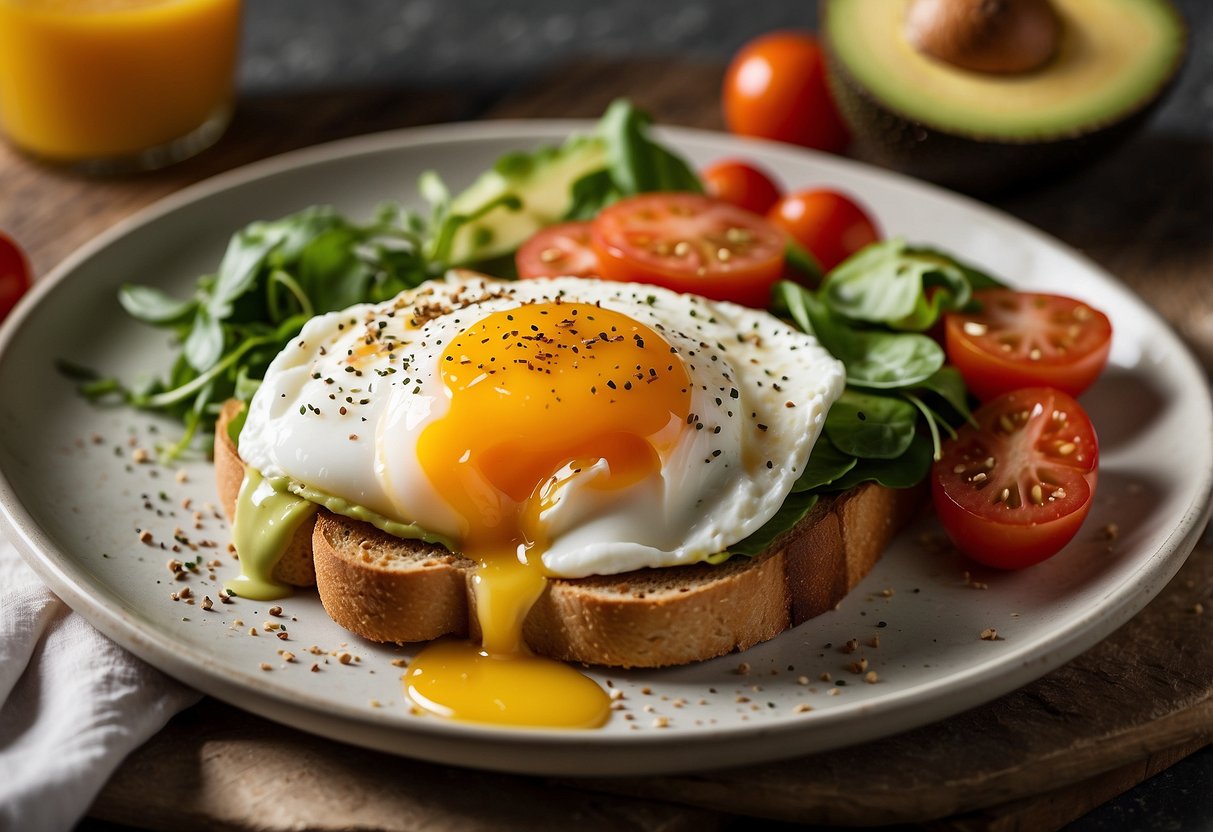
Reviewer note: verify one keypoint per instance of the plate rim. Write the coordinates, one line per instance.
(445, 744)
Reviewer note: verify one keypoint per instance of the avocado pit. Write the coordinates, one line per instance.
(996, 36)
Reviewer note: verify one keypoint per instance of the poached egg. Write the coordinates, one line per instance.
(547, 428)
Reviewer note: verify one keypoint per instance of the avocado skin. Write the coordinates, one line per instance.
(973, 164)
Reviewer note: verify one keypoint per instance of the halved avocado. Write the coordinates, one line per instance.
(982, 131)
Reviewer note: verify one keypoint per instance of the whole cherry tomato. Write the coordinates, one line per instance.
(743, 184)
(15, 276)
(830, 225)
(776, 88)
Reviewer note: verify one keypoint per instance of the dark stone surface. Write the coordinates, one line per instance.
(492, 45)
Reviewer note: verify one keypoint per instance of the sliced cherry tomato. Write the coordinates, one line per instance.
(1024, 339)
(15, 275)
(830, 225)
(743, 184)
(558, 251)
(776, 88)
(690, 243)
(1013, 490)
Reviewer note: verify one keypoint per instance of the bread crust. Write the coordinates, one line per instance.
(391, 590)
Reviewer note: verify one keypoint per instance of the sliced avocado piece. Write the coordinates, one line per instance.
(541, 180)
(982, 131)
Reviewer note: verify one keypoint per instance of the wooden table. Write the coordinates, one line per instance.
(1036, 758)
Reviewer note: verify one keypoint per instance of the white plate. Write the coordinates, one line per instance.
(74, 506)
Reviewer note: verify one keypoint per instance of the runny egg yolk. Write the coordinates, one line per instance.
(538, 395)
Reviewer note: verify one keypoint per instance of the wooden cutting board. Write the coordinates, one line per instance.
(1034, 759)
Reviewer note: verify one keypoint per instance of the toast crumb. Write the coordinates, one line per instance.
(989, 634)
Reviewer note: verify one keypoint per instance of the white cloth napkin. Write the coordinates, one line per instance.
(72, 704)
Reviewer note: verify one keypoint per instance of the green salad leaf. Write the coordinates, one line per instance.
(871, 426)
(869, 312)
(275, 275)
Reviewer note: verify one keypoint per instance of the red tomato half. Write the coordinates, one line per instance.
(776, 88)
(830, 225)
(690, 243)
(558, 251)
(1013, 490)
(741, 183)
(15, 275)
(1023, 339)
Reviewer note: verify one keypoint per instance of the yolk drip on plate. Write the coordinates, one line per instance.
(538, 394)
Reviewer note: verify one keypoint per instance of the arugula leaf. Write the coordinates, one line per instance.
(204, 344)
(869, 426)
(153, 306)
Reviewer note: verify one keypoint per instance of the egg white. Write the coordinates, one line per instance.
(765, 385)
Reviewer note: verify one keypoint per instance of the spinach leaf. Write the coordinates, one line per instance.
(873, 358)
(636, 162)
(793, 510)
(870, 426)
(826, 464)
(803, 261)
(947, 384)
(885, 360)
(977, 278)
(903, 471)
(887, 283)
(591, 193)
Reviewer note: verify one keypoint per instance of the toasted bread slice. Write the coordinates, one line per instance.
(391, 590)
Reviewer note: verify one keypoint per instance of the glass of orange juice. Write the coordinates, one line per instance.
(116, 85)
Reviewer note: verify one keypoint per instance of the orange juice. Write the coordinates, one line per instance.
(109, 79)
